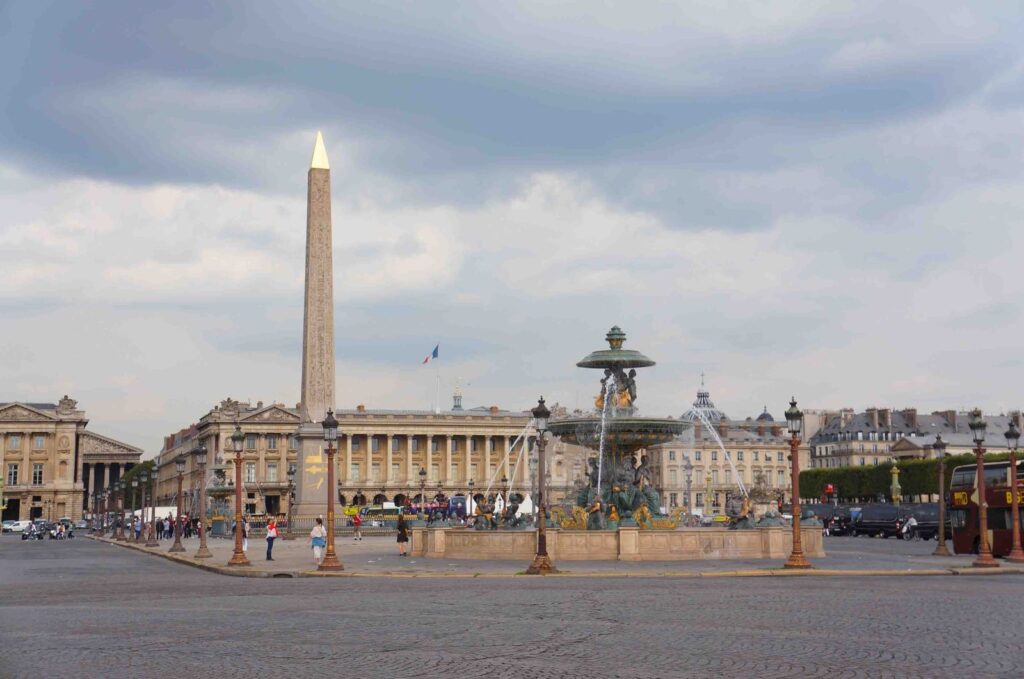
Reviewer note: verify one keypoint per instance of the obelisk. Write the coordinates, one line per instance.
(317, 339)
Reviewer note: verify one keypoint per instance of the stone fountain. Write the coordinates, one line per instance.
(619, 491)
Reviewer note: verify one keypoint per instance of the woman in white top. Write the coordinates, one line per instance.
(318, 536)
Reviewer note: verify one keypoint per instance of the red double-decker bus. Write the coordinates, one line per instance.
(963, 507)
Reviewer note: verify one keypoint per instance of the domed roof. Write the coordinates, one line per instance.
(765, 416)
(705, 406)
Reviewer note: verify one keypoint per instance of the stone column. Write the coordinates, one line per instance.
(488, 444)
(428, 455)
(369, 459)
(106, 475)
(409, 476)
(348, 457)
(390, 440)
(468, 457)
(447, 471)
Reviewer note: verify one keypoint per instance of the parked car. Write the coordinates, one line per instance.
(879, 519)
(82, 525)
(8, 526)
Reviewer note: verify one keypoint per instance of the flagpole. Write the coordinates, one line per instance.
(437, 390)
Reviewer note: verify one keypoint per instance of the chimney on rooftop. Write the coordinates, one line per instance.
(885, 418)
(910, 415)
(873, 417)
(360, 408)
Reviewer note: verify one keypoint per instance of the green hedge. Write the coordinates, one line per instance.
(917, 477)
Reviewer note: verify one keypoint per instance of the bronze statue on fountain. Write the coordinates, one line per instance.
(618, 481)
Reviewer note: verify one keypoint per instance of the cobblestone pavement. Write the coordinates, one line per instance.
(87, 609)
(379, 554)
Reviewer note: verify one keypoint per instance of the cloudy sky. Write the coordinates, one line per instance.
(819, 199)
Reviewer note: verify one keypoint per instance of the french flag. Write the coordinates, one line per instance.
(432, 354)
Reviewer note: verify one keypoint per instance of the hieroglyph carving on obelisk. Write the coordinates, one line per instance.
(318, 324)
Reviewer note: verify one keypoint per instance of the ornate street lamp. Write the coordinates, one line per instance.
(152, 539)
(423, 493)
(1012, 435)
(144, 475)
(200, 455)
(794, 422)
(940, 451)
(291, 500)
(978, 426)
(238, 557)
(541, 561)
(120, 510)
(179, 466)
(330, 561)
(135, 489)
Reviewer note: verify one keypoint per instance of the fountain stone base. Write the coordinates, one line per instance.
(622, 544)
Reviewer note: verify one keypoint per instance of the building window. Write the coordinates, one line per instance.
(778, 456)
(862, 464)
(39, 441)
(781, 476)
(355, 471)
(250, 441)
(714, 455)
(375, 470)
(472, 472)
(435, 470)
(696, 456)
(37, 474)
(672, 477)
(671, 456)
(433, 445)
(415, 444)
(355, 444)
(12, 473)
(393, 444)
(699, 498)
(739, 456)
(472, 445)
(374, 445)
(293, 443)
(728, 477)
(453, 473)
(395, 471)
(250, 472)
(714, 476)
(272, 473)
(14, 442)
(753, 456)
(271, 441)
(673, 500)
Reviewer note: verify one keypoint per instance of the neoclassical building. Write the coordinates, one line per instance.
(52, 463)
(758, 449)
(380, 454)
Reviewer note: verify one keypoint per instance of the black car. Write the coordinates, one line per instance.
(842, 519)
(879, 519)
(927, 517)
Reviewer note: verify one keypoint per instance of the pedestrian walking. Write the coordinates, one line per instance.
(403, 535)
(357, 525)
(271, 535)
(318, 537)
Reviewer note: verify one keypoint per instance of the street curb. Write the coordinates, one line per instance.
(242, 572)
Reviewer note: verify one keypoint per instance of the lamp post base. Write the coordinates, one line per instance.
(330, 563)
(239, 559)
(985, 561)
(941, 551)
(541, 566)
(203, 553)
(1016, 556)
(797, 561)
(176, 548)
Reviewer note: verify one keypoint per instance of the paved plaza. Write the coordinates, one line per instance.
(378, 555)
(84, 608)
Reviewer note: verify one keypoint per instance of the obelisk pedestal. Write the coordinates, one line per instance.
(317, 341)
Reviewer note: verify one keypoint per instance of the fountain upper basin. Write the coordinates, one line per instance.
(620, 432)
